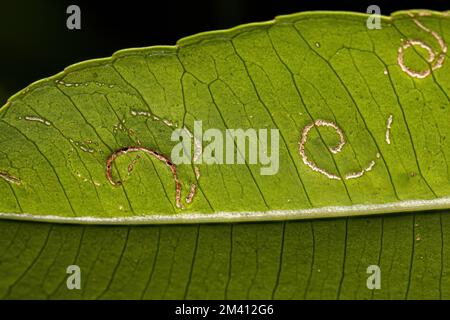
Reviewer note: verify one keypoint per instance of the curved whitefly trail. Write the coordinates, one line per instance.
(335, 149)
(193, 189)
(436, 59)
(359, 174)
(157, 155)
(195, 158)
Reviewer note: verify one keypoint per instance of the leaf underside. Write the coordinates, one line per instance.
(57, 134)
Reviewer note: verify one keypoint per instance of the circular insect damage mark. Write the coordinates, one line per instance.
(157, 155)
(435, 58)
(335, 149)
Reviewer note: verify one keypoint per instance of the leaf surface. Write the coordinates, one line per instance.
(57, 134)
(304, 259)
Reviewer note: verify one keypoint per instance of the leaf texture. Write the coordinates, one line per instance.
(57, 134)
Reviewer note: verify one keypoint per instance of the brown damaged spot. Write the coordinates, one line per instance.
(9, 178)
(132, 164)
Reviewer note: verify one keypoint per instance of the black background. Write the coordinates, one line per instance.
(35, 42)
(157, 310)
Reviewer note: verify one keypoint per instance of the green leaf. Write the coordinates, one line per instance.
(363, 129)
(312, 259)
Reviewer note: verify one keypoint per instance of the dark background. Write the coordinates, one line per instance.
(35, 42)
